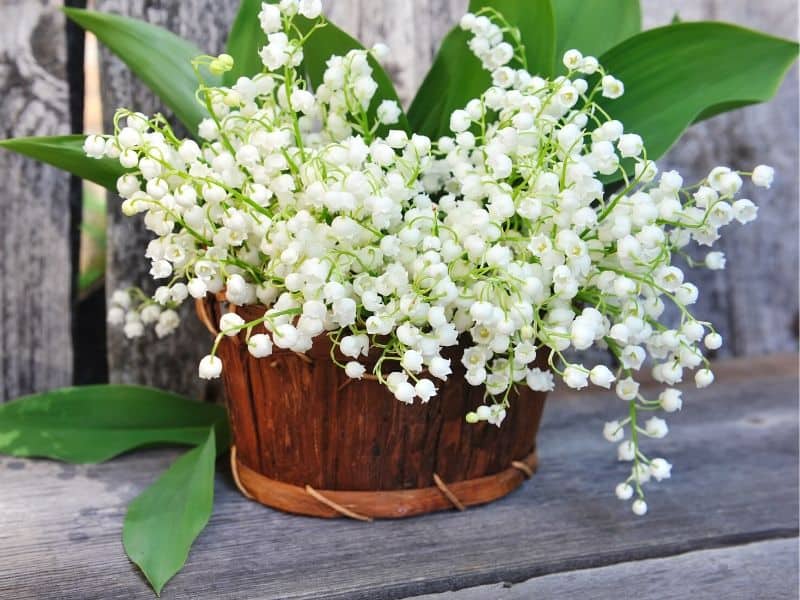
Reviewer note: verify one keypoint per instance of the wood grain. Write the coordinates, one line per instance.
(35, 220)
(759, 570)
(735, 481)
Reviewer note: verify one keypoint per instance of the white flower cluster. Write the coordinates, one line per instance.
(499, 242)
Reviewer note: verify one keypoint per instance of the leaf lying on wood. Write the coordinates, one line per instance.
(163, 522)
(95, 423)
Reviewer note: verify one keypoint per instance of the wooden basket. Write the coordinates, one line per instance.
(309, 440)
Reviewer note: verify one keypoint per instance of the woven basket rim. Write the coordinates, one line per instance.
(367, 505)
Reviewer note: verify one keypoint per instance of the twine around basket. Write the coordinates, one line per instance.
(380, 504)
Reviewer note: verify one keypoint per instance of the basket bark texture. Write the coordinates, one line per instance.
(310, 440)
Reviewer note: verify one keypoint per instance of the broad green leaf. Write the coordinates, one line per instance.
(97, 422)
(161, 59)
(723, 107)
(678, 74)
(244, 41)
(457, 76)
(330, 40)
(594, 26)
(66, 152)
(163, 522)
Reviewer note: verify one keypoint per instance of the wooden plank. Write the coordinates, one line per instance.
(170, 363)
(35, 252)
(734, 447)
(759, 570)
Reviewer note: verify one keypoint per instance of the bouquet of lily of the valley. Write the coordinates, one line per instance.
(536, 224)
(510, 221)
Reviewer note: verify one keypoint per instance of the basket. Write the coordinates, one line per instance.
(309, 440)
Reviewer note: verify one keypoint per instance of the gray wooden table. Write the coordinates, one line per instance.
(725, 526)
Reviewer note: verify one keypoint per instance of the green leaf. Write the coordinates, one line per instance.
(161, 59)
(678, 74)
(595, 26)
(66, 152)
(163, 522)
(456, 75)
(330, 40)
(244, 41)
(97, 422)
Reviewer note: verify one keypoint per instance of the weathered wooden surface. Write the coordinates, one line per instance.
(35, 219)
(735, 481)
(170, 363)
(758, 570)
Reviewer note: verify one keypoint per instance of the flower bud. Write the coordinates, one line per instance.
(624, 491)
(639, 507)
(210, 367)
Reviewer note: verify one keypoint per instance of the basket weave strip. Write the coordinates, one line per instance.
(337, 507)
(202, 313)
(235, 472)
(521, 466)
(448, 492)
(379, 504)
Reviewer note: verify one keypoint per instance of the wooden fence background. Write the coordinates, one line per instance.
(754, 302)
